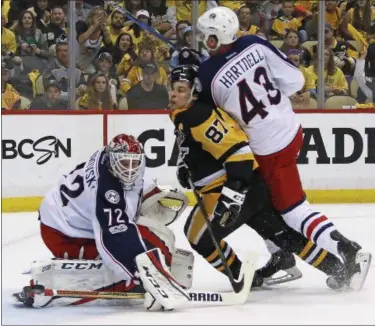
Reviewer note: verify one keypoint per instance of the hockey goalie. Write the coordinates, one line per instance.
(108, 231)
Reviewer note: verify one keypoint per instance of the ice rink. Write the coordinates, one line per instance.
(305, 301)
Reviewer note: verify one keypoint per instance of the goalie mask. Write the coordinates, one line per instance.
(125, 158)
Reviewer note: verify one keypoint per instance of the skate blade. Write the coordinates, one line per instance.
(18, 297)
(358, 279)
(292, 274)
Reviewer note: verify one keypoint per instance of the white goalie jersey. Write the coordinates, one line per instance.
(85, 195)
(91, 203)
(252, 82)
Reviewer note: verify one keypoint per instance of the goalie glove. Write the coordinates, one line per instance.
(163, 203)
(230, 203)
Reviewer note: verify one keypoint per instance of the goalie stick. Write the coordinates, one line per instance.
(236, 285)
(215, 298)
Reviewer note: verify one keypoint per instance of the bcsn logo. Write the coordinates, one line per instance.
(47, 147)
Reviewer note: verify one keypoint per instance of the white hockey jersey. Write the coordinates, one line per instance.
(252, 82)
(90, 202)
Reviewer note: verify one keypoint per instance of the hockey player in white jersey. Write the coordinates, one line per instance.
(252, 80)
(100, 211)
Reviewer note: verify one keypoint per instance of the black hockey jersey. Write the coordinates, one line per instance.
(212, 145)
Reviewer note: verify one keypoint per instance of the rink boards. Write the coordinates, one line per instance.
(337, 160)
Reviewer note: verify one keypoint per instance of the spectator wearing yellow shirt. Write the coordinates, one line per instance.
(335, 80)
(140, 36)
(98, 96)
(8, 39)
(288, 21)
(235, 5)
(302, 98)
(146, 55)
(292, 42)
(5, 6)
(124, 54)
(345, 54)
(182, 8)
(116, 27)
(244, 17)
(333, 15)
(305, 8)
(10, 99)
(162, 18)
(361, 17)
(136, 32)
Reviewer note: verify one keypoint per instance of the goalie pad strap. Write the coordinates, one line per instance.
(153, 241)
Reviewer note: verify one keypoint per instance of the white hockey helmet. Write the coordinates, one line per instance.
(221, 22)
(125, 158)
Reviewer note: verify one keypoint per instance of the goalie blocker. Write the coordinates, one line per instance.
(96, 211)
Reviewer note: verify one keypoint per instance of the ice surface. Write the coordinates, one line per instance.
(306, 301)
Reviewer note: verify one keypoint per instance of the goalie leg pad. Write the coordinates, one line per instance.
(77, 274)
(156, 235)
(160, 236)
(73, 274)
(182, 267)
(158, 282)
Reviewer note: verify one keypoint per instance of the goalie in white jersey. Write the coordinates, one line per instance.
(99, 210)
(252, 80)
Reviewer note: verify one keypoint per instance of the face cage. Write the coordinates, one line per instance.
(127, 175)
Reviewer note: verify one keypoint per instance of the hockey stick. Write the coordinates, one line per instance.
(144, 26)
(217, 298)
(236, 285)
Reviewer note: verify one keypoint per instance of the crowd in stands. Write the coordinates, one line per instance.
(121, 66)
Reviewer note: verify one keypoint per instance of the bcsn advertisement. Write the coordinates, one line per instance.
(37, 150)
(338, 150)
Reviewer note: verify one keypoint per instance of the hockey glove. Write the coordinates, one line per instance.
(230, 203)
(183, 175)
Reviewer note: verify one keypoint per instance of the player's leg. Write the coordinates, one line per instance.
(281, 174)
(125, 259)
(63, 246)
(284, 241)
(196, 232)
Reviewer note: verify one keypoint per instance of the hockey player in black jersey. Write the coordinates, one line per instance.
(214, 152)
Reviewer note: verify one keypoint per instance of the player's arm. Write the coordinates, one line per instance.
(127, 250)
(289, 79)
(222, 137)
(116, 236)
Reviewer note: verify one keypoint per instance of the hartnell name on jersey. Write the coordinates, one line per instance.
(239, 67)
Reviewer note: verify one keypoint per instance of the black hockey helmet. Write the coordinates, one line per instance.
(189, 74)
